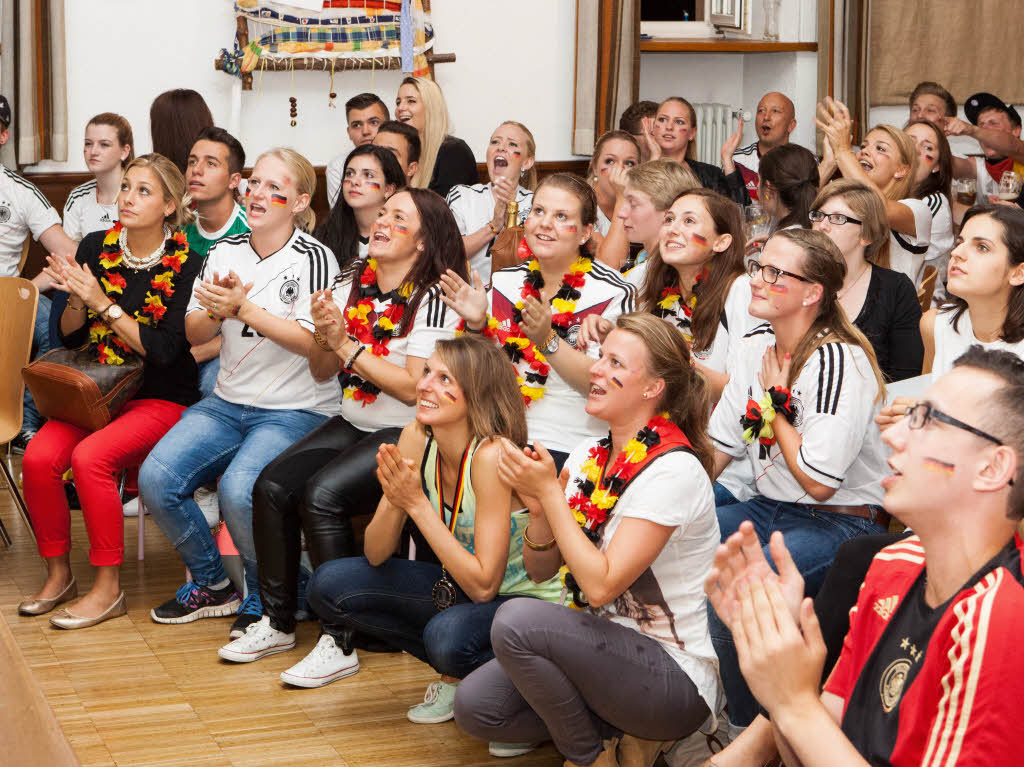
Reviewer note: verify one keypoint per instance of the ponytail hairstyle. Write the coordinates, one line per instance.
(442, 250)
(305, 182)
(940, 180)
(529, 178)
(691, 148)
(907, 150)
(339, 231)
(124, 132)
(172, 183)
(824, 265)
(582, 191)
(494, 404)
(435, 127)
(791, 172)
(869, 208)
(687, 396)
(724, 268)
(1011, 220)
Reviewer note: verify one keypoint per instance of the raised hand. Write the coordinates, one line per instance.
(468, 301)
(774, 372)
(57, 269)
(327, 318)
(894, 412)
(527, 471)
(536, 322)
(617, 179)
(835, 122)
(81, 282)
(399, 478)
(593, 330)
(653, 148)
(730, 146)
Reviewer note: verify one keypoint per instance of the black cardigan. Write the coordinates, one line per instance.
(891, 319)
(455, 165)
(712, 177)
(169, 370)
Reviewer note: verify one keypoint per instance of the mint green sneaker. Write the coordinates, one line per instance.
(506, 750)
(438, 705)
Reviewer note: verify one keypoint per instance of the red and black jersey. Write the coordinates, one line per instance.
(936, 686)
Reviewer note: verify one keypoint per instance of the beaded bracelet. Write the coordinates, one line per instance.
(355, 355)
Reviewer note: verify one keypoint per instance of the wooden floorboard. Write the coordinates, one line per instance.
(131, 692)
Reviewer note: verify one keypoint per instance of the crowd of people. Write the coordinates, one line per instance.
(648, 474)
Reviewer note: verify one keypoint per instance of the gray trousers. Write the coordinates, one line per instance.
(574, 678)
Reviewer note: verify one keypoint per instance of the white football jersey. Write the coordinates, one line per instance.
(84, 214)
(24, 211)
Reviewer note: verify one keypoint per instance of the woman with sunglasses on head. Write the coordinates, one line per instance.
(986, 296)
(799, 404)
(881, 303)
(632, 526)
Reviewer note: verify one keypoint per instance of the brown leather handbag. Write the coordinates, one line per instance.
(71, 385)
(504, 249)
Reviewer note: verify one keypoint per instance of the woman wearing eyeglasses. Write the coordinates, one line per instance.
(805, 384)
(880, 302)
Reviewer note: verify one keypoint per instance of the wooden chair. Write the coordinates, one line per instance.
(927, 289)
(18, 298)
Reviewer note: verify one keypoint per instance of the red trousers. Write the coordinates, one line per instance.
(97, 459)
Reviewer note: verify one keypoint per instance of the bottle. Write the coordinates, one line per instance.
(512, 214)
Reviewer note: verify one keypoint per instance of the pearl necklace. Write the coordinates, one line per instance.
(141, 264)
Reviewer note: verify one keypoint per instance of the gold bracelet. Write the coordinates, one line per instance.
(537, 546)
(76, 308)
(321, 341)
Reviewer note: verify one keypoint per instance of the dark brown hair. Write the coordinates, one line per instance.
(124, 132)
(934, 89)
(724, 268)
(175, 119)
(792, 173)
(942, 180)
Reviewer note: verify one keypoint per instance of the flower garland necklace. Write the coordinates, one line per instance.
(514, 341)
(115, 254)
(668, 305)
(599, 491)
(376, 336)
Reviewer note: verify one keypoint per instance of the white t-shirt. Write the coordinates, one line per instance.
(336, 169)
(907, 253)
(254, 370)
(834, 399)
(736, 317)
(940, 242)
(951, 344)
(473, 207)
(558, 419)
(603, 223)
(23, 211)
(667, 601)
(433, 321)
(83, 214)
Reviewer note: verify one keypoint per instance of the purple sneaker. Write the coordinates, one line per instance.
(193, 602)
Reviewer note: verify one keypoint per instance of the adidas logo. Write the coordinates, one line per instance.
(105, 219)
(886, 607)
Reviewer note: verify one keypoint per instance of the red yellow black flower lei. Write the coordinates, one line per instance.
(563, 308)
(110, 349)
(376, 336)
(667, 306)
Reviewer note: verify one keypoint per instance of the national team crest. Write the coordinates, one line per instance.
(5, 214)
(289, 292)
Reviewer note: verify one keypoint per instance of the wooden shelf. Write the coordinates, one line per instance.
(707, 45)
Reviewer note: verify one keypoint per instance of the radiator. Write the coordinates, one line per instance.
(714, 126)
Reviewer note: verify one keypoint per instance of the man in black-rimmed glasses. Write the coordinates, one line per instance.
(930, 672)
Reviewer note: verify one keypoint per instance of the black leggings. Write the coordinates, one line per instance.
(317, 485)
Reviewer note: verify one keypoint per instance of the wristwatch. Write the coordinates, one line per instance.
(112, 312)
(552, 344)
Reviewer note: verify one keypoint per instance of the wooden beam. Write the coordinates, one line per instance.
(310, 63)
(710, 45)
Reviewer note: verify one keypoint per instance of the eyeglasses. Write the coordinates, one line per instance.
(922, 412)
(770, 274)
(836, 219)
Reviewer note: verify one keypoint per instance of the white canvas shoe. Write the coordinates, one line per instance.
(259, 640)
(325, 664)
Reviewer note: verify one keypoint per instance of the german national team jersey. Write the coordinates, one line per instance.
(834, 408)
(748, 161)
(253, 369)
(23, 211)
(558, 420)
(83, 213)
(927, 686)
(201, 240)
(473, 207)
(433, 321)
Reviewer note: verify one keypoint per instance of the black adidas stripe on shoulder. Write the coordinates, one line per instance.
(28, 185)
(917, 250)
(79, 192)
(757, 330)
(746, 150)
(319, 265)
(604, 273)
(831, 370)
(934, 203)
(437, 310)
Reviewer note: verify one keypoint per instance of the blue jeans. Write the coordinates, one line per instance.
(812, 537)
(42, 343)
(392, 602)
(208, 375)
(216, 438)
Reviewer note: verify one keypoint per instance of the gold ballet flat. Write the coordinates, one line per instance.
(65, 619)
(41, 606)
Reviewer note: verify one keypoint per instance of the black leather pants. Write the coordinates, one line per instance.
(316, 485)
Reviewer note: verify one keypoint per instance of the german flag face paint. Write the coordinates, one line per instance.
(449, 396)
(373, 185)
(568, 228)
(278, 200)
(698, 239)
(617, 382)
(778, 289)
(400, 229)
(939, 466)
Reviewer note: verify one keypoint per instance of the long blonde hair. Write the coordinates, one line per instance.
(305, 181)
(823, 264)
(173, 185)
(868, 207)
(435, 127)
(901, 188)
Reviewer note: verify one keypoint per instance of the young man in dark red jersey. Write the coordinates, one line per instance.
(930, 672)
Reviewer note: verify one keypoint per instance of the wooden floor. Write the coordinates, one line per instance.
(133, 692)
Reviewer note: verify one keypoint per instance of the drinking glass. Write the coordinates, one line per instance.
(1010, 185)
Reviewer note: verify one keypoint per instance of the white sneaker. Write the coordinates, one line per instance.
(326, 663)
(505, 750)
(131, 508)
(259, 640)
(208, 504)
